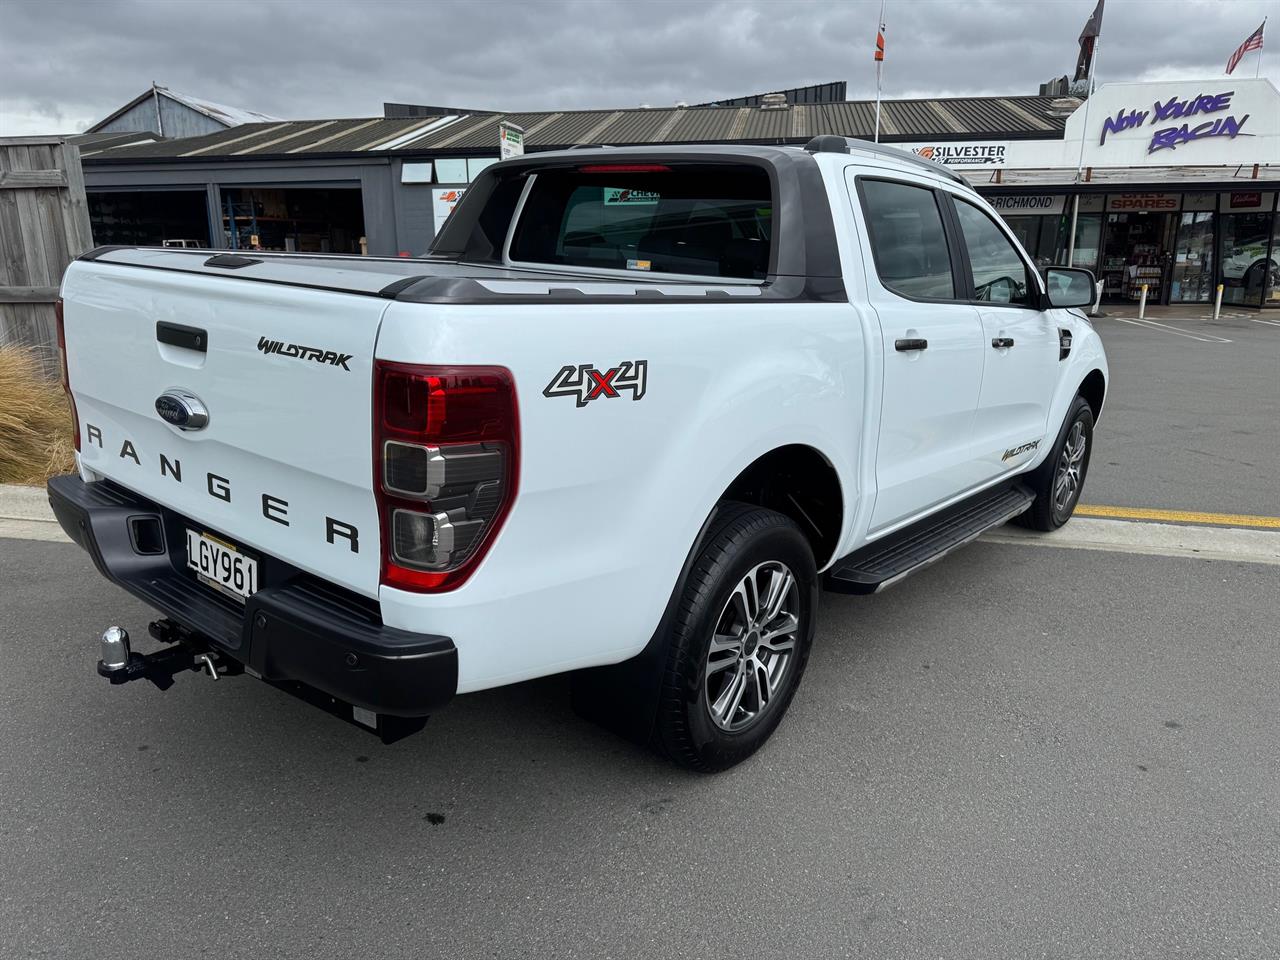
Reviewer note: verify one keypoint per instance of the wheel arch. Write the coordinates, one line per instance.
(796, 480)
(1094, 390)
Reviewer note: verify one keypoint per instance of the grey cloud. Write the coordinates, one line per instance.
(65, 64)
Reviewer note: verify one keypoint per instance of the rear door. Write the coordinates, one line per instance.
(1020, 369)
(284, 465)
(932, 345)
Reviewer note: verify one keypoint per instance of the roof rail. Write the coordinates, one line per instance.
(833, 144)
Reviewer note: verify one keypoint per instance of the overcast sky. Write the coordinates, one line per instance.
(65, 64)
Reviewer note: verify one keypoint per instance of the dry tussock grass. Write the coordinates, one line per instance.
(36, 439)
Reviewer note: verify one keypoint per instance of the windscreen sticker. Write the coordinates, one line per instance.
(639, 264)
(614, 196)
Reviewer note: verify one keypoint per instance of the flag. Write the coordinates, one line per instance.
(1088, 39)
(1253, 43)
(880, 44)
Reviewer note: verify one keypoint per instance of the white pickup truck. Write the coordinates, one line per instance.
(630, 414)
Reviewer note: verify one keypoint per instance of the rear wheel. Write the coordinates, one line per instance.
(740, 641)
(1058, 481)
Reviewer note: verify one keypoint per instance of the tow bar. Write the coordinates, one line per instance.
(190, 651)
(119, 664)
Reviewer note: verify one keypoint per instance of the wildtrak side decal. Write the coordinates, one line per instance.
(586, 382)
(1017, 451)
(304, 353)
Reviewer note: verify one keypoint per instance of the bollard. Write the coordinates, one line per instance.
(1142, 302)
(1097, 300)
(1217, 303)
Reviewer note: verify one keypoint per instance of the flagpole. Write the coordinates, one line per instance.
(1257, 66)
(1084, 133)
(879, 70)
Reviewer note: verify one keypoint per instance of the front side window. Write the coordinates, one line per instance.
(907, 240)
(698, 219)
(999, 273)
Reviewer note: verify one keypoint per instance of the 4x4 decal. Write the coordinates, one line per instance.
(586, 383)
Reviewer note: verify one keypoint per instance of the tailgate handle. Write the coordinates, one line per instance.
(230, 261)
(180, 335)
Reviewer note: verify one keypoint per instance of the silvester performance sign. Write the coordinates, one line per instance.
(990, 153)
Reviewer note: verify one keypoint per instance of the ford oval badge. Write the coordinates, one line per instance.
(183, 410)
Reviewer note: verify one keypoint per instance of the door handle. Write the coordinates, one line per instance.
(1001, 342)
(904, 346)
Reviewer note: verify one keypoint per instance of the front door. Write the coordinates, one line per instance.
(932, 353)
(1021, 347)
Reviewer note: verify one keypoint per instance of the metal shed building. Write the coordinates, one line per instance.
(325, 184)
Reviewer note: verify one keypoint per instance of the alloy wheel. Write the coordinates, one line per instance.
(753, 646)
(1069, 475)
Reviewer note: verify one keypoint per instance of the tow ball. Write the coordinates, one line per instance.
(186, 651)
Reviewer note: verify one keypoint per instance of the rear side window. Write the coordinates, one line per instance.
(999, 274)
(907, 240)
(697, 219)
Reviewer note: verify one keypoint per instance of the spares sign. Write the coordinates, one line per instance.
(988, 153)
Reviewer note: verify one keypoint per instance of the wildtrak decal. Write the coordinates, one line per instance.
(304, 353)
(1017, 451)
(274, 508)
(586, 383)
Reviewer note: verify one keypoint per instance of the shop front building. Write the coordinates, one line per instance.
(1181, 244)
(1174, 186)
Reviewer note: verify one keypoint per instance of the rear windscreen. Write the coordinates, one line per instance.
(708, 220)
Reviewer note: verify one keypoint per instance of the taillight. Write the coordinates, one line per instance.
(446, 456)
(66, 377)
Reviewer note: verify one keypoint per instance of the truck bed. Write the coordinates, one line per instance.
(424, 280)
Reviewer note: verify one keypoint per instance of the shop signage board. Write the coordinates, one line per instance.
(1148, 202)
(1030, 204)
(971, 153)
(1229, 120)
(510, 140)
(443, 200)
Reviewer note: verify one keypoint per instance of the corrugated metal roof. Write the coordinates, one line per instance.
(220, 112)
(950, 118)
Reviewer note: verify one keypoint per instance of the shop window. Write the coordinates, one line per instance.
(1273, 273)
(1192, 274)
(1247, 273)
(1038, 233)
(1134, 255)
(1088, 232)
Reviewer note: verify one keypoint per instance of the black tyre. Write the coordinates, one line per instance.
(1058, 481)
(740, 639)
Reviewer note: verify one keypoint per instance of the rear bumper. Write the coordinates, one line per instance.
(295, 629)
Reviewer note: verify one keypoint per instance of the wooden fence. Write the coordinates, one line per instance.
(44, 225)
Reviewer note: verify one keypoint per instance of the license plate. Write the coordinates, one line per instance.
(221, 565)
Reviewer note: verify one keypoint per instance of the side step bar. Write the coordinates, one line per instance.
(884, 562)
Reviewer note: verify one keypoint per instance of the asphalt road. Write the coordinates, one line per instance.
(1190, 423)
(1020, 752)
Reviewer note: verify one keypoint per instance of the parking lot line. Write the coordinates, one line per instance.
(1153, 539)
(1175, 331)
(1179, 516)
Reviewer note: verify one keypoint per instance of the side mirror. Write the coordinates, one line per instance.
(1069, 287)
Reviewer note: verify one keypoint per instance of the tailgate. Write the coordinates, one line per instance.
(284, 464)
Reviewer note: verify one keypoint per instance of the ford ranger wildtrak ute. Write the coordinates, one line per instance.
(630, 414)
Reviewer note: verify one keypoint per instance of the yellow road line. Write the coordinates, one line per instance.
(1179, 516)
